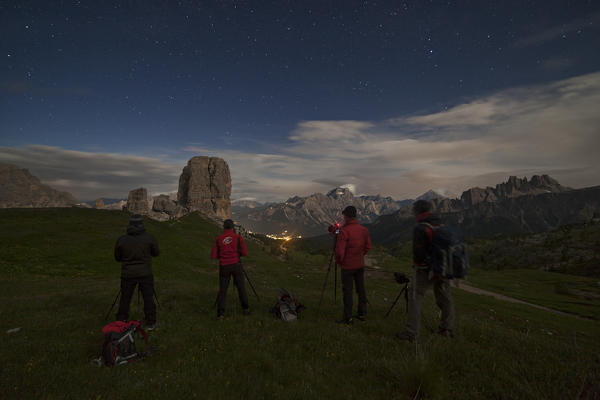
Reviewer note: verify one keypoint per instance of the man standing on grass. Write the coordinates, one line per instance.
(228, 248)
(135, 251)
(424, 276)
(352, 243)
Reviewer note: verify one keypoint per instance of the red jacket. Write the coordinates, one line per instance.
(353, 242)
(225, 248)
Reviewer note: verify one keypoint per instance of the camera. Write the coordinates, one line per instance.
(335, 228)
(401, 278)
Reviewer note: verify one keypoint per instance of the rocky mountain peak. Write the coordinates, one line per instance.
(340, 192)
(430, 195)
(513, 187)
(205, 185)
(19, 188)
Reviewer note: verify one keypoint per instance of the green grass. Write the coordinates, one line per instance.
(576, 294)
(58, 279)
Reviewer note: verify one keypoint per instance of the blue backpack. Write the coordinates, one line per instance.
(448, 255)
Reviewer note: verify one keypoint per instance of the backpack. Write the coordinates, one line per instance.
(119, 344)
(287, 307)
(448, 255)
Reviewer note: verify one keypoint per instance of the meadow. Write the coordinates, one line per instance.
(58, 279)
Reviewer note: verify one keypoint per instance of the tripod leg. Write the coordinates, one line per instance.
(251, 285)
(395, 301)
(335, 284)
(113, 305)
(326, 278)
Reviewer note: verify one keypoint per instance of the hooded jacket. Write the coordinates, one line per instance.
(225, 248)
(422, 237)
(352, 243)
(135, 251)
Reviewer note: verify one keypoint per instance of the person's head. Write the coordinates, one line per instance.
(349, 213)
(136, 220)
(228, 224)
(421, 206)
(136, 225)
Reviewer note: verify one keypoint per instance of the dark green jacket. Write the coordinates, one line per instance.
(135, 251)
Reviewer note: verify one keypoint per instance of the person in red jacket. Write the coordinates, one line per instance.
(352, 243)
(228, 248)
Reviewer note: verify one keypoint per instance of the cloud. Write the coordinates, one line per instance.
(90, 175)
(558, 31)
(557, 64)
(551, 128)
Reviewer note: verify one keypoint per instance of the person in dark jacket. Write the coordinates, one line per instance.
(352, 243)
(424, 276)
(135, 251)
(228, 248)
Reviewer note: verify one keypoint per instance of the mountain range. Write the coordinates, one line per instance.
(517, 206)
(311, 215)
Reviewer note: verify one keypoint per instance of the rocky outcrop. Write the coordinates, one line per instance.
(137, 201)
(167, 208)
(99, 204)
(205, 185)
(119, 205)
(18, 188)
(514, 187)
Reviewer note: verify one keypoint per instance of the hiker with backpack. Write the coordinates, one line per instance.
(134, 251)
(351, 246)
(426, 275)
(228, 248)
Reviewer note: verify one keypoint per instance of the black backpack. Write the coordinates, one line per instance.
(448, 255)
(287, 307)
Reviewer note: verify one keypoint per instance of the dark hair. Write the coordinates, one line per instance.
(228, 224)
(421, 206)
(349, 212)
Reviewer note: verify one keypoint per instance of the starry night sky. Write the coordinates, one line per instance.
(165, 80)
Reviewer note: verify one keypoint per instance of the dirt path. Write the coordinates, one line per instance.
(472, 289)
(371, 261)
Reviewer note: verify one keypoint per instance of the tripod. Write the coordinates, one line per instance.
(119, 295)
(331, 262)
(405, 290)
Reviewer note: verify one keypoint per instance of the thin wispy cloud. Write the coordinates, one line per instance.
(552, 128)
(560, 31)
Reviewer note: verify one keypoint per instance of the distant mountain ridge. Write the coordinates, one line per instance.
(19, 188)
(312, 214)
(513, 207)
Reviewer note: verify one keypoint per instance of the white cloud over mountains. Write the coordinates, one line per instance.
(552, 128)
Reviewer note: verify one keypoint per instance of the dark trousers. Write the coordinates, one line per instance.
(146, 286)
(358, 277)
(225, 274)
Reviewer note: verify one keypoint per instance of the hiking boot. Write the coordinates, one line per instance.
(361, 318)
(220, 317)
(246, 311)
(346, 321)
(405, 336)
(151, 327)
(445, 333)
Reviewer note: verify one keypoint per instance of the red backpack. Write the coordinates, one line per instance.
(119, 343)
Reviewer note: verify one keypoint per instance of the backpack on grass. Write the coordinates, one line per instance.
(287, 307)
(448, 255)
(119, 343)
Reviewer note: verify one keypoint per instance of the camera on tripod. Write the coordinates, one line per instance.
(401, 278)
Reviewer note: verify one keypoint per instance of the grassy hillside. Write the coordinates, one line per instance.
(58, 279)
